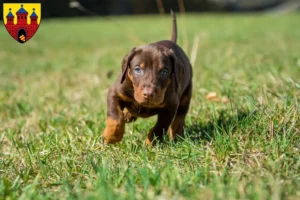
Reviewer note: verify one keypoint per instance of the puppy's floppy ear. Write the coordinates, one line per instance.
(177, 67)
(126, 63)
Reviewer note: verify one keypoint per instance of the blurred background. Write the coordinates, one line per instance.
(76, 8)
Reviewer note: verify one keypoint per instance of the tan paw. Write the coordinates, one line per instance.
(113, 131)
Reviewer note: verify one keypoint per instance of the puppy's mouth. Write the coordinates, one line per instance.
(149, 102)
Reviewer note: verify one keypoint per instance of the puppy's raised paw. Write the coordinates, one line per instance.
(113, 131)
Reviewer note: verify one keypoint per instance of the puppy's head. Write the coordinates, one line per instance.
(151, 69)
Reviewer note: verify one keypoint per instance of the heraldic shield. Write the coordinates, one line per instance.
(22, 20)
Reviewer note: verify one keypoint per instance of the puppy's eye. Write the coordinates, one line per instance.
(164, 73)
(138, 70)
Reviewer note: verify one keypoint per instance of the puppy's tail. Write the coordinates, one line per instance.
(174, 27)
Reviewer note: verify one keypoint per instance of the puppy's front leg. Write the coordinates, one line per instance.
(164, 119)
(115, 123)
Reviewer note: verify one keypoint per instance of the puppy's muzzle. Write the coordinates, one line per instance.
(148, 95)
(148, 92)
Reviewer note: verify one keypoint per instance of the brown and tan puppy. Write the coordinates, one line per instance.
(156, 79)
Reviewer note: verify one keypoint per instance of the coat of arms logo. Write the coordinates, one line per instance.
(22, 20)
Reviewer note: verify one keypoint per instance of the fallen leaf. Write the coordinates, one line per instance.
(211, 95)
(225, 100)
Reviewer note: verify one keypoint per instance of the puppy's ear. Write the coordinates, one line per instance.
(177, 68)
(126, 63)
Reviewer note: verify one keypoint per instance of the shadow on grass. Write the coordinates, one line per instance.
(224, 122)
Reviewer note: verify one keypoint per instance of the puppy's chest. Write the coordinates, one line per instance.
(139, 111)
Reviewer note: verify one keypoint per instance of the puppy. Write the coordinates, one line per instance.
(156, 79)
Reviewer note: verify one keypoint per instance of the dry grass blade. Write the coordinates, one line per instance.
(194, 50)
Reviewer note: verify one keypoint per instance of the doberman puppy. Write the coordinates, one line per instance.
(156, 79)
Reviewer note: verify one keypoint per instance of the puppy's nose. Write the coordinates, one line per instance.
(148, 93)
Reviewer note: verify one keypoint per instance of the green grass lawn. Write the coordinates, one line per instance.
(53, 104)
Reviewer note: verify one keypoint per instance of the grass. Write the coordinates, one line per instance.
(53, 104)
